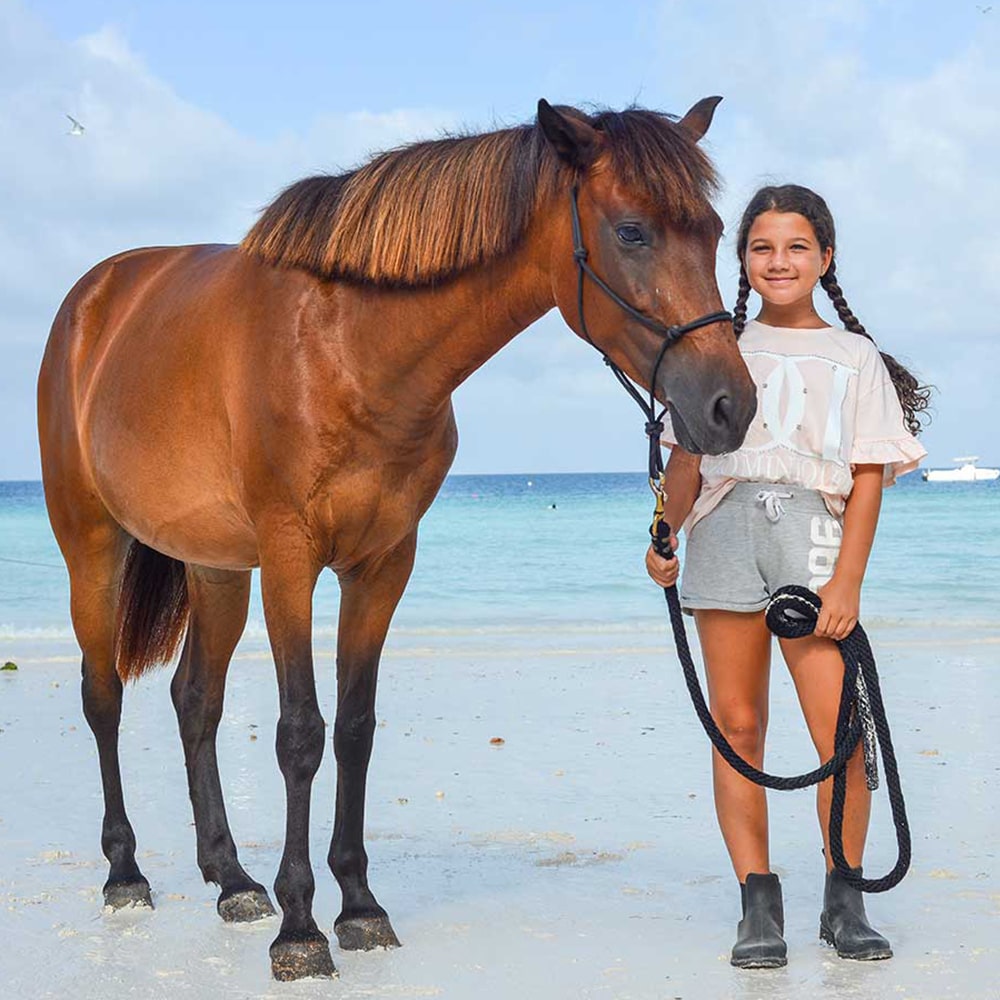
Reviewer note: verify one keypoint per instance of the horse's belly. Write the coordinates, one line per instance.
(194, 529)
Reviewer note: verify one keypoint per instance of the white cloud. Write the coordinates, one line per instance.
(548, 393)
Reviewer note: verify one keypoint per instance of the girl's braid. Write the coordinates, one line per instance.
(913, 397)
(836, 293)
(740, 309)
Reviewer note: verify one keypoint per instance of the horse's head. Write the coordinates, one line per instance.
(651, 234)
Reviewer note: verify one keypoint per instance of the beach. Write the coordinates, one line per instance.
(539, 819)
(577, 858)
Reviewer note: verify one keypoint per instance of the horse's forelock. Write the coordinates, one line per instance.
(650, 153)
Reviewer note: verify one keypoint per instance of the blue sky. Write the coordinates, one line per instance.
(197, 113)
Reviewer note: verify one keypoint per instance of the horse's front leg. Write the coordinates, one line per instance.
(368, 600)
(288, 573)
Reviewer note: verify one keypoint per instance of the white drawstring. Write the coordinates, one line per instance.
(771, 499)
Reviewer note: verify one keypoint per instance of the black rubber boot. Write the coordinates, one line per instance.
(844, 923)
(759, 944)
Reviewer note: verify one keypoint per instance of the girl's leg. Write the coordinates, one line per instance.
(737, 651)
(818, 673)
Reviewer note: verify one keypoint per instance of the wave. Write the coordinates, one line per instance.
(652, 628)
(38, 633)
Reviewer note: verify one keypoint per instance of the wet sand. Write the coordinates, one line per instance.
(579, 858)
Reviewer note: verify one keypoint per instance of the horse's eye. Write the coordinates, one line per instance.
(631, 235)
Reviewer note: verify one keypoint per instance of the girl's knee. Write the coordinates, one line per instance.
(744, 729)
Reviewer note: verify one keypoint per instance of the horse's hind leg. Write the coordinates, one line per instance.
(218, 601)
(368, 600)
(94, 557)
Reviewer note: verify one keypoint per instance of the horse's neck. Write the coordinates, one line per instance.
(438, 337)
(490, 310)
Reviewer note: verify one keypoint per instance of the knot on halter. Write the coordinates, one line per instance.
(654, 428)
(580, 254)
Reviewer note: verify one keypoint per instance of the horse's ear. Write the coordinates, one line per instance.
(697, 120)
(573, 139)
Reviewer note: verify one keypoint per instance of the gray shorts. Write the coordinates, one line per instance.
(761, 536)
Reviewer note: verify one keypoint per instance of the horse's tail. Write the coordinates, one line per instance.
(152, 611)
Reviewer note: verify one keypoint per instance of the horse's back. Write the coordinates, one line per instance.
(100, 301)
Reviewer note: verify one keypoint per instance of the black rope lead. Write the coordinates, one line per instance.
(792, 613)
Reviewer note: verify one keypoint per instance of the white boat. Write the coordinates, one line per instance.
(967, 472)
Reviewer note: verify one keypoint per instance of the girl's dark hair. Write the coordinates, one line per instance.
(913, 397)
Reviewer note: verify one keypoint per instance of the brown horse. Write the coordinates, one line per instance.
(286, 404)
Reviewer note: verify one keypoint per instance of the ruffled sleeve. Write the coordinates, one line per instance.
(880, 434)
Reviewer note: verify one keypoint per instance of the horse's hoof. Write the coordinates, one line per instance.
(118, 895)
(365, 933)
(242, 906)
(299, 958)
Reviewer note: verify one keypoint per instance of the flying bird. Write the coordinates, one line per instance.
(76, 128)
(984, 10)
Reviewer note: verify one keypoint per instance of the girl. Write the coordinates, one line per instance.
(798, 503)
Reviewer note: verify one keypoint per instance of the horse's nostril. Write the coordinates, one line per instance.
(721, 411)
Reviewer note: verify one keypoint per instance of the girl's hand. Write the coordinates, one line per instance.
(663, 571)
(841, 606)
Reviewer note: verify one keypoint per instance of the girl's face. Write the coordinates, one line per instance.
(784, 260)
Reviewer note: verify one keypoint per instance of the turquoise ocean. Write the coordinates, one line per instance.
(562, 553)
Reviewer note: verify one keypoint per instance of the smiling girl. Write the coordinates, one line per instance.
(798, 503)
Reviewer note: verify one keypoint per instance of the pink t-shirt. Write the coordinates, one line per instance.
(825, 403)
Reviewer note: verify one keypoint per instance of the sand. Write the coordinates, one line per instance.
(577, 858)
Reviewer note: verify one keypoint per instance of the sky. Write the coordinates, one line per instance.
(197, 114)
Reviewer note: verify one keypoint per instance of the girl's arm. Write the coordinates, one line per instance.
(682, 483)
(842, 594)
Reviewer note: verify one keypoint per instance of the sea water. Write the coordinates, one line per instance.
(535, 554)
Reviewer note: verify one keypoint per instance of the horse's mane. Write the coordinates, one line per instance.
(422, 213)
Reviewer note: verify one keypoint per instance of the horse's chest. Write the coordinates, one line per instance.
(369, 515)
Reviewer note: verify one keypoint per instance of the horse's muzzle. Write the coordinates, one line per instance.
(718, 425)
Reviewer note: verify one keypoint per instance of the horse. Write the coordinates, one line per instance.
(285, 404)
